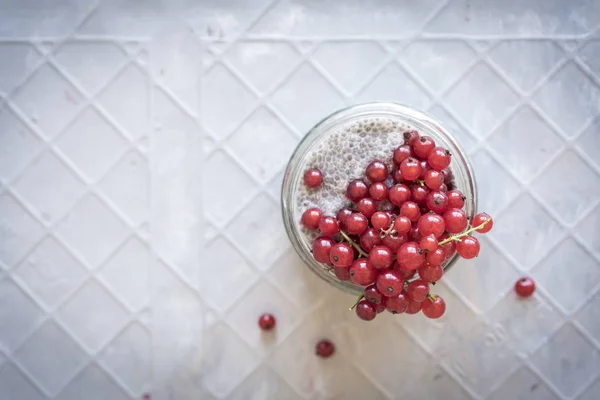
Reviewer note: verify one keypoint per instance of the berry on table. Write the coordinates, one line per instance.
(455, 220)
(356, 223)
(455, 199)
(480, 219)
(381, 257)
(321, 248)
(439, 158)
(468, 247)
(362, 272)
(341, 255)
(418, 290)
(266, 322)
(376, 171)
(365, 310)
(390, 283)
(378, 191)
(356, 190)
(397, 304)
(411, 169)
(329, 226)
(525, 287)
(325, 348)
(433, 306)
(366, 207)
(423, 146)
(372, 294)
(310, 218)
(313, 177)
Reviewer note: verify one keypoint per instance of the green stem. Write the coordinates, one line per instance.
(354, 244)
(362, 296)
(465, 233)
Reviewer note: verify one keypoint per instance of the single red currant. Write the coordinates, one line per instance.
(313, 177)
(410, 169)
(468, 247)
(429, 243)
(397, 175)
(414, 235)
(433, 307)
(449, 248)
(433, 179)
(366, 207)
(402, 225)
(455, 199)
(399, 194)
(357, 189)
(321, 248)
(424, 168)
(380, 220)
(406, 274)
(380, 307)
(343, 274)
(390, 283)
(418, 290)
(410, 256)
(397, 304)
(410, 210)
(362, 272)
(525, 287)
(431, 224)
(447, 175)
(423, 146)
(480, 219)
(419, 193)
(437, 201)
(310, 218)
(266, 322)
(376, 171)
(402, 153)
(443, 188)
(410, 137)
(372, 294)
(378, 191)
(342, 216)
(393, 241)
(365, 310)
(455, 220)
(381, 257)
(436, 257)
(356, 223)
(414, 307)
(325, 349)
(341, 255)
(329, 226)
(439, 158)
(431, 273)
(369, 239)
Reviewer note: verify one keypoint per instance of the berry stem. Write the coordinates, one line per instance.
(354, 244)
(420, 182)
(465, 233)
(362, 296)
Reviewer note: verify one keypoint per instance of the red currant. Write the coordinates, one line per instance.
(410, 169)
(406, 274)
(366, 207)
(397, 304)
(525, 287)
(455, 220)
(449, 248)
(310, 218)
(377, 171)
(418, 290)
(321, 249)
(325, 349)
(398, 194)
(480, 219)
(397, 175)
(433, 307)
(431, 273)
(313, 177)
(390, 283)
(369, 239)
(329, 226)
(433, 179)
(342, 216)
(380, 307)
(266, 322)
(402, 153)
(378, 191)
(393, 241)
(414, 307)
(414, 235)
(357, 189)
(437, 201)
(380, 220)
(436, 257)
(419, 193)
(343, 274)
(429, 243)
(410, 256)
(341, 255)
(365, 310)
(373, 295)
(443, 188)
(439, 158)
(447, 175)
(410, 210)
(402, 225)
(423, 146)
(362, 272)
(356, 223)
(468, 247)
(431, 224)
(410, 137)
(455, 199)
(381, 257)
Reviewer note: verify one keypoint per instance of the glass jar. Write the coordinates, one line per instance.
(463, 176)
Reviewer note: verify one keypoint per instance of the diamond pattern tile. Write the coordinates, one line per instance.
(589, 316)
(96, 385)
(14, 385)
(466, 140)
(19, 316)
(264, 383)
(589, 142)
(93, 315)
(589, 55)
(523, 385)
(589, 229)
(593, 392)
(18, 145)
(568, 360)
(50, 366)
(19, 61)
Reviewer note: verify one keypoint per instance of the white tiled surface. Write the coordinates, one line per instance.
(136, 252)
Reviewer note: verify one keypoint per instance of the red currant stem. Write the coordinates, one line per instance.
(362, 296)
(431, 297)
(420, 182)
(390, 230)
(465, 233)
(354, 244)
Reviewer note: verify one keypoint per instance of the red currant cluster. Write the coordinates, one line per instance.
(407, 219)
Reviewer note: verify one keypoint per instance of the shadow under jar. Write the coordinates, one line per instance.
(341, 146)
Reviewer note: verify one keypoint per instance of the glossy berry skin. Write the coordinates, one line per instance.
(329, 226)
(343, 274)
(372, 294)
(439, 158)
(341, 255)
(380, 220)
(431, 224)
(365, 310)
(310, 218)
(356, 190)
(436, 257)
(376, 171)
(313, 177)
(397, 304)
(449, 248)
(366, 207)
(437, 201)
(414, 307)
(362, 272)
(525, 287)
(428, 243)
(433, 307)
(455, 220)
(356, 223)
(443, 188)
(402, 225)
(369, 239)
(410, 210)
(381, 257)
(398, 194)
(266, 322)
(402, 153)
(424, 168)
(410, 256)
(406, 274)
(342, 216)
(414, 235)
(394, 241)
(411, 169)
(423, 146)
(390, 283)
(380, 307)
(419, 193)
(468, 247)
(321, 248)
(378, 191)
(433, 179)
(431, 273)
(455, 199)
(325, 349)
(410, 137)
(418, 290)
(397, 175)
(480, 219)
